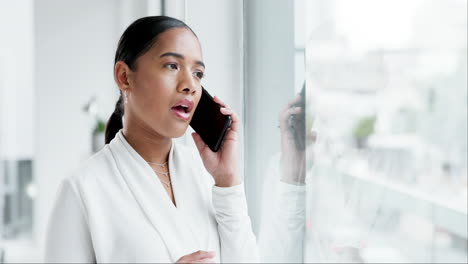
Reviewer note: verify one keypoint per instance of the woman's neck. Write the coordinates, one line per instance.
(152, 146)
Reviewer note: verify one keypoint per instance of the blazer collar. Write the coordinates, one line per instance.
(168, 220)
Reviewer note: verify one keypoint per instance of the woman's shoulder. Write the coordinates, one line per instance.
(98, 166)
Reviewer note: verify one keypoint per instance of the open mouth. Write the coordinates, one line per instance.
(183, 109)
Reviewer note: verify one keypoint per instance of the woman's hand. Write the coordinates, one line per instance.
(198, 257)
(222, 165)
(292, 156)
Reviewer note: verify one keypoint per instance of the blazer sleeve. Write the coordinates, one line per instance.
(238, 242)
(68, 238)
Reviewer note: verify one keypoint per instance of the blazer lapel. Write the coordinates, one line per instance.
(192, 195)
(153, 199)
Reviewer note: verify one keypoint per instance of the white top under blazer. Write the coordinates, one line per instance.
(115, 209)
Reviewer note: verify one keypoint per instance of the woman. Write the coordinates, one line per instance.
(144, 198)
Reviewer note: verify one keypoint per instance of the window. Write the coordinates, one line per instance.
(387, 87)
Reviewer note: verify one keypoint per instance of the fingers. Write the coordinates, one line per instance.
(291, 103)
(234, 117)
(201, 255)
(208, 260)
(217, 100)
(313, 136)
(294, 110)
(198, 257)
(286, 113)
(225, 110)
(199, 261)
(295, 100)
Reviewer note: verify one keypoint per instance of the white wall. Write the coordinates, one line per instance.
(75, 43)
(16, 80)
(130, 10)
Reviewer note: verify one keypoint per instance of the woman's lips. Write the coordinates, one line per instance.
(183, 108)
(180, 113)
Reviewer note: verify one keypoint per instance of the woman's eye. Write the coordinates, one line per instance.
(171, 66)
(199, 75)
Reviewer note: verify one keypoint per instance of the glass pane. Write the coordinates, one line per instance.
(275, 127)
(388, 100)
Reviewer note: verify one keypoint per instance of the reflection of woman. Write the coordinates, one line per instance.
(283, 208)
(289, 180)
(144, 198)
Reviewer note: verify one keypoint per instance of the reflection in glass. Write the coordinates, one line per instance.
(389, 100)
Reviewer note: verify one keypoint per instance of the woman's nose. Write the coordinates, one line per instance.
(188, 90)
(187, 84)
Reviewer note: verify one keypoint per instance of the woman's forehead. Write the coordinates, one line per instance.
(178, 41)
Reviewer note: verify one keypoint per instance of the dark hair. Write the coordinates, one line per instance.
(136, 40)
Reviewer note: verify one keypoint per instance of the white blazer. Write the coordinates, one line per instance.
(115, 209)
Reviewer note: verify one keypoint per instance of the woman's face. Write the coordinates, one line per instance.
(165, 87)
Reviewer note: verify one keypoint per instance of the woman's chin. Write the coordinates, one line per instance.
(178, 131)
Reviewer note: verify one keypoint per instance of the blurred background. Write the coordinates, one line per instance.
(387, 85)
(386, 95)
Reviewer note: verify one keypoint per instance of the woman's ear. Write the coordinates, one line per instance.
(122, 74)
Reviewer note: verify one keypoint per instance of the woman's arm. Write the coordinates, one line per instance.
(68, 238)
(282, 230)
(238, 243)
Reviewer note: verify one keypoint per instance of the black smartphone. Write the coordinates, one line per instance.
(297, 122)
(209, 122)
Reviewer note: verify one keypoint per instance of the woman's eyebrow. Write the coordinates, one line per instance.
(180, 56)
